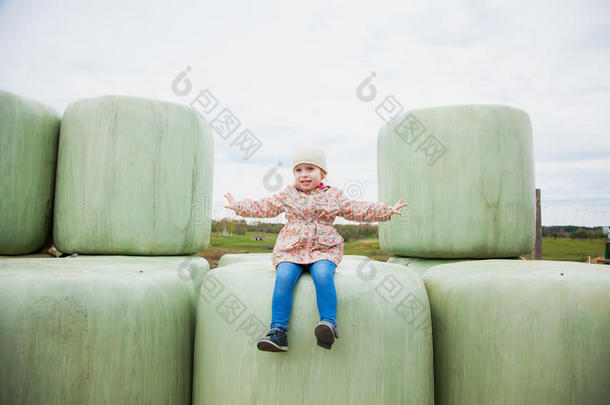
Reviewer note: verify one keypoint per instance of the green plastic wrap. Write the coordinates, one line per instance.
(520, 332)
(134, 177)
(265, 258)
(418, 265)
(467, 174)
(28, 153)
(383, 354)
(98, 330)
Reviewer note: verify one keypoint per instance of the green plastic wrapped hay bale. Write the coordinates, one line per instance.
(231, 258)
(520, 332)
(98, 330)
(265, 258)
(134, 177)
(383, 353)
(467, 174)
(418, 265)
(28, 153)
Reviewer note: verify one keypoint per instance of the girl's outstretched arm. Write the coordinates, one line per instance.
(268, 207)
(366, 211)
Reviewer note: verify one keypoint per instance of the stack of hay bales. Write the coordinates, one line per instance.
(505, 331)
(452, 319)
(134, 177)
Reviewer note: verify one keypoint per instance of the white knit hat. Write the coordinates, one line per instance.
(314, 156)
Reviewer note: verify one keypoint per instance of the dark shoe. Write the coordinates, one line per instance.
(274, 341)
(325, 333)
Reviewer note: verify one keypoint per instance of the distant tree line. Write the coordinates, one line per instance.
(573, 232)
(240, 227)
(230, 228)
(367, 231)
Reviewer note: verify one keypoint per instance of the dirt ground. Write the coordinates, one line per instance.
(213, 256)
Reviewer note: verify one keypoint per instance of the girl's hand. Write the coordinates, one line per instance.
(231, 201)
(397, 206)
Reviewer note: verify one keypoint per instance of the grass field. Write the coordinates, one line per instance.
(576, 250)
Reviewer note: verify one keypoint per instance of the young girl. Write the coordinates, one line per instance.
(308, 241)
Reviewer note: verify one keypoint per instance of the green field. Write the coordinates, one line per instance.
(576, 250)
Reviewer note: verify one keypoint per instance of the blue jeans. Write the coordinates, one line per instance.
(288, 274)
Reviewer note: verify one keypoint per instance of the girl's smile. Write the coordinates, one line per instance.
(308, 176)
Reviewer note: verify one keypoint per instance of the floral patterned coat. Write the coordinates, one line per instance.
(308, 235)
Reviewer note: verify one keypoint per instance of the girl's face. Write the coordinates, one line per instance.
(308, 176)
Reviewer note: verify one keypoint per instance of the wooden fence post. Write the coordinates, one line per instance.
(538, 241)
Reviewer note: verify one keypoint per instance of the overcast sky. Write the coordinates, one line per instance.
(289, 71)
